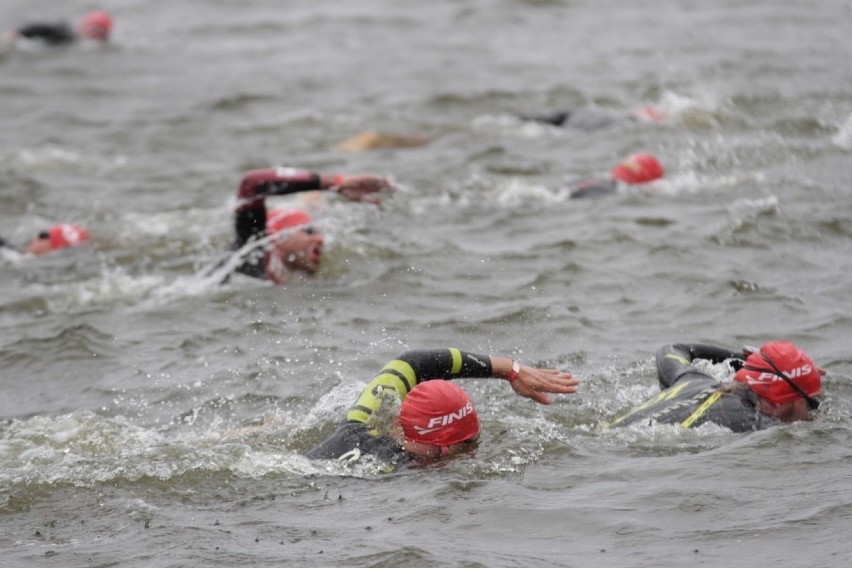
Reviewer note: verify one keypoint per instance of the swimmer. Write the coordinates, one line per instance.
(288, 242)
(372, 140)
(95, 26)
(55, 238)
(776, 384)
(589, 120)
(436, 417)
(636, 169)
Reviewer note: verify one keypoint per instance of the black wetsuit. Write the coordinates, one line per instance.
(591, 188)
(250, 215)
(54, 33)
(691, 397)
(360, 433)
(585, 119)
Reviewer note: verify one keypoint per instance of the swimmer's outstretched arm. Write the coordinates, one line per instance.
(527, 381)
(412, 367)
(257, 185)
(675, 359)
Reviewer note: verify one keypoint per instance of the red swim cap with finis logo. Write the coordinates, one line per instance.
(438, 413)
(64, 236)
(638, 168)
(758, 373)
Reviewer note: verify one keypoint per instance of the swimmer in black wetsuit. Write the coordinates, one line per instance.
(436, 417)
(298, 249)
(776, 384)
(94, 25)
(588, 120)
(636, 169)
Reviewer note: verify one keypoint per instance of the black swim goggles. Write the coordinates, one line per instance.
(813, 403)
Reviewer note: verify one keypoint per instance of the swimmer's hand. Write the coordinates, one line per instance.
(748, 350)
(737, 362)
(534, 383)
(365, 188)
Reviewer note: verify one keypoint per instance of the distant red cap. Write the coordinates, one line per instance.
(758, 373)
(638, 168)
(648, 114)
(286, 218)
(438, 413)
(64, 236)
(96, 25)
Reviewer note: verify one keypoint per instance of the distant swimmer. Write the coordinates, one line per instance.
(372, 140)
(55, 238)
(776, 384)
(588, 119)
(636, 169)
(436, 418)
(95, 25)
(275, 245)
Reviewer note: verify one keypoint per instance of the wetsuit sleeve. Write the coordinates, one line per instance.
(256, 186)
(675, 360)
(412, 367)
(554, 118)
(59, 32)
(588, 188)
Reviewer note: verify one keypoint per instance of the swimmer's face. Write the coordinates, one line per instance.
(300, 249)
(39, 245)
(786, 412)
(429, 452)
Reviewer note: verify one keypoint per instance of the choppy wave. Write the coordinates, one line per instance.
(150, 411)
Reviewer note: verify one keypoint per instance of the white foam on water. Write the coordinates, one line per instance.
(55, 158)
(843, 138)
(84, 448)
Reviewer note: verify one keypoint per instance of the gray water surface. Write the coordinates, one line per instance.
(151, 417)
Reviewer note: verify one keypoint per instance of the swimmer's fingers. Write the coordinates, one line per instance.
(534, 383)
(365, 188)
(748, 350)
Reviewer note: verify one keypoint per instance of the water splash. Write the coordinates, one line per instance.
(60, 159)
(843, 138)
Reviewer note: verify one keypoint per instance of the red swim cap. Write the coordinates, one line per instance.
(96, 25)
(63, 236)
(648, 114)
(790, 360)
(638, 168)
(285, 218)
(438, 413)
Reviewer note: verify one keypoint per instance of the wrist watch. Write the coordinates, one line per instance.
(516, 369)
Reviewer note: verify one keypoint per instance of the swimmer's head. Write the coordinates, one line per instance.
(298, 245)
(780, 372)
(57, 237)
(96, 25)
(438, 413)
(638, 168)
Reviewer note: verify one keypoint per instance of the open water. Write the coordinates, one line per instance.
(151, 417)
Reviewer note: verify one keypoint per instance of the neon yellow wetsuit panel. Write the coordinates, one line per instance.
(692, 397)
(396, 379)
